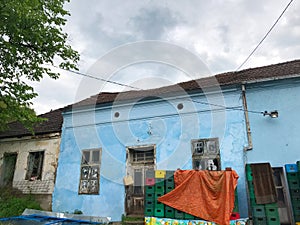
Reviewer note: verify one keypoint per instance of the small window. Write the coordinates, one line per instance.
(35, 166)
(206, 154)
(90, 172)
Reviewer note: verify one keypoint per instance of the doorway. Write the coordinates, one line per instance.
(8, 169)
(140, 161)
(282, 198)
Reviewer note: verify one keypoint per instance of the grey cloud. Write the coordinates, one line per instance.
(152, 23)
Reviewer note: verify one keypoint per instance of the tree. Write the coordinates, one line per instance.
(31, 37)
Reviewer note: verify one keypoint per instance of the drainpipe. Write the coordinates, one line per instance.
(249, 138)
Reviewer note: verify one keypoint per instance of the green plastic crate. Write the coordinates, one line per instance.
(253, 201)
(258, 211)
(159, 187)
(150, 196)
(178, 214)
(271, 211)
(188, 216)
(259, 221)
(273, 220)
(148, 211)
(292, 176)
(294, 184)
(159, 212)
(169, 212)
(149, 189)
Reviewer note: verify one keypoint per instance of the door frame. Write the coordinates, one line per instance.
(130, 197)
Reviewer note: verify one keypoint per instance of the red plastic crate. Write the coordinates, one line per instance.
(235, 216)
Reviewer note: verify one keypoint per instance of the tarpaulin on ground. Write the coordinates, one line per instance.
(205, 194)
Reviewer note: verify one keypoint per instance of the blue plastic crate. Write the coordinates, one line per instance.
(291, 168)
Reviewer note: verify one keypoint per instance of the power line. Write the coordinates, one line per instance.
(264, 36)
(97, 78)
(236, 108)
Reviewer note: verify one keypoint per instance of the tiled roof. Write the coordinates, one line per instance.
(52, 125)
(275, 71)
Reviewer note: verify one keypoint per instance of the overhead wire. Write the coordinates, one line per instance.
(269, 31)
(237, 108)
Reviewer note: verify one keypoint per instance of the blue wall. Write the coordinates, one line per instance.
(156, 122)
(275, 140)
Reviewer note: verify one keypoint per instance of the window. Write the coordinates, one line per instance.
(35, 166)
(206, 154)
(90, 172)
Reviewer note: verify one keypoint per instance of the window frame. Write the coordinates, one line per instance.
(32, 156)
(91, 175)
(204, 155)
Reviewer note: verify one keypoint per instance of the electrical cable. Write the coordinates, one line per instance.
(97, 78)
(264, 36)
(237, 108)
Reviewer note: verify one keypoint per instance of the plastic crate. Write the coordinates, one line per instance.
(188, 216)
(159, 187)
(291, 168)
(294, 184)
(248, 168)
(273, 220)
(235, 216)
(150, 174)
(150, 181)
(298, 165)
(169, 188)
(178, 214)
(149, 203)
(170, 174)
(159, 212)
(149, 189)
(271, 211)
(258, 211)
(157, 195)
(259, 221)
(295, 193)
(249, 176)
(292, 176)
(150, 196)
(169, 212)
(160, 173)
(149, 211)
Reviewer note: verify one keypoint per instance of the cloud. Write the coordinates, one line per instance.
(153, 22)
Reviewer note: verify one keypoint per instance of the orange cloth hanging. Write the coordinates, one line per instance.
(205, 194)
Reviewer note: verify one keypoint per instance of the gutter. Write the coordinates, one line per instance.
(249, 137)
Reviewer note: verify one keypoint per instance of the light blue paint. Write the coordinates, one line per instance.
(275, 140)
(157, 123)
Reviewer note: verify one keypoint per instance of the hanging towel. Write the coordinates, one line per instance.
(263, 182)
(205, 194)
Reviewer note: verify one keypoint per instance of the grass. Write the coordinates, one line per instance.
(13, 202)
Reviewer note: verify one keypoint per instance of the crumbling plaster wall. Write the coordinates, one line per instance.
(50, 144)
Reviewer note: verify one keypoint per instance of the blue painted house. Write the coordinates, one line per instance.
(114, 139)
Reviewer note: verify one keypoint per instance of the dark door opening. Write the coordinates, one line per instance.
(140, 160)
(8, 169)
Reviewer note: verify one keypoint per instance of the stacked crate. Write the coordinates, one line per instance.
(160, 183)
(262, 214)
(293, 179)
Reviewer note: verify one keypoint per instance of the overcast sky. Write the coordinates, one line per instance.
(221, 34)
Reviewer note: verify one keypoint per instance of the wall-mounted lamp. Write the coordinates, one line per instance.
(273, 114)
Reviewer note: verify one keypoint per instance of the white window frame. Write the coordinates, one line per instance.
(89, 181)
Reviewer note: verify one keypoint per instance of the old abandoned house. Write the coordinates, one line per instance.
(28, 162)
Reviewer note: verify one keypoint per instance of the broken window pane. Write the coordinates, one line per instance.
(90, 172)
(35, 165)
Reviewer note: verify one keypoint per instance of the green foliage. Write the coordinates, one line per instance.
(77, 211)
(31, 37)
(13, 203)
